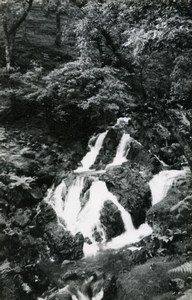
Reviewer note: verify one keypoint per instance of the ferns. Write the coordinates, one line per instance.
(184, 268)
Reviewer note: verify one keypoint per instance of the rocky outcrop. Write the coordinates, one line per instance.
(111, 220)
(108, 150)
(139, 156)
(147, 281)
(131, 189)
(61, 243)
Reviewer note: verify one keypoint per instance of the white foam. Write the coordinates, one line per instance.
(162, 182)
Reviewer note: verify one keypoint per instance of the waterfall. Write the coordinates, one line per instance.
(89, 159)
(68, 207)
(83, 215)
(67, 203)
(72, 205)
(55, 198)
(122, 150)
(162, 182)
(130, 237)
(89, 217)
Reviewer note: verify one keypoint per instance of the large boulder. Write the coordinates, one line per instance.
(132, 190)
(109, 148)
(142, 158)
(111, 220)
(62, 244)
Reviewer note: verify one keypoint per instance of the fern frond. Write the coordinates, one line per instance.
(184, 268)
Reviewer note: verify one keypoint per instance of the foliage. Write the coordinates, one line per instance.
(132, 58)
(183, 208)
(12, 8)
(163, 237)
(100, 93)
(27, 85)
(22, 181)
(184, 268)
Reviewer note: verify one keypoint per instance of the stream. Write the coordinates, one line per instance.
(78, 207)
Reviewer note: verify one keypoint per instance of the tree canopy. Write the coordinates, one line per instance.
(130, 58)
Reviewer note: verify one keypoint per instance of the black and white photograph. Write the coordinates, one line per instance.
(95, 149)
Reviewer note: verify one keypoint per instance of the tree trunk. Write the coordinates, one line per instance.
(10, 33)
(9, 44)
(59, 32)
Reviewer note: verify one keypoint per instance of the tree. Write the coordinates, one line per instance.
(58, 7)
(14, 13)
(150, 48)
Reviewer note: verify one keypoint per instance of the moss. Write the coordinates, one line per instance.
(146, 281)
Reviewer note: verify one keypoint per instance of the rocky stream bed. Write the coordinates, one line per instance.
(41, 260)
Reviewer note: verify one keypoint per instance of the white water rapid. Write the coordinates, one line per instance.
(55, 198)
(80, 211)
(122, 150)
(89, 159)
(162, 182)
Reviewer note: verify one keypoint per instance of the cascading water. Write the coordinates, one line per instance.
(80, 211)
(55, 198)
(89, 159)
(162, 182)
(72, 205)
(85, 218)
(122, 150)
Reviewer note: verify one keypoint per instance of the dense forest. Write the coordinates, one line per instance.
(116, 76)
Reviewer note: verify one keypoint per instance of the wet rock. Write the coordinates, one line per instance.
(138, 154)
(7, 287)
(35, 279)
(21, 197)
(45, 215)
(28, 153)
(36, 193)
(22, 248)
(131, 189)
(170, 154)
(22, 217)
(2, 239)
(2, 221)
(3, 252)
(62, 244)
(109, 147)
(111, 220)
(165, 211)
(177, 284)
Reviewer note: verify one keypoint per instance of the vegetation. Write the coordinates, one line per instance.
(127, 61)
(13, 13)
(69, 69)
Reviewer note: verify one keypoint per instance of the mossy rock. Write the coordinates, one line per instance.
(147, 281)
